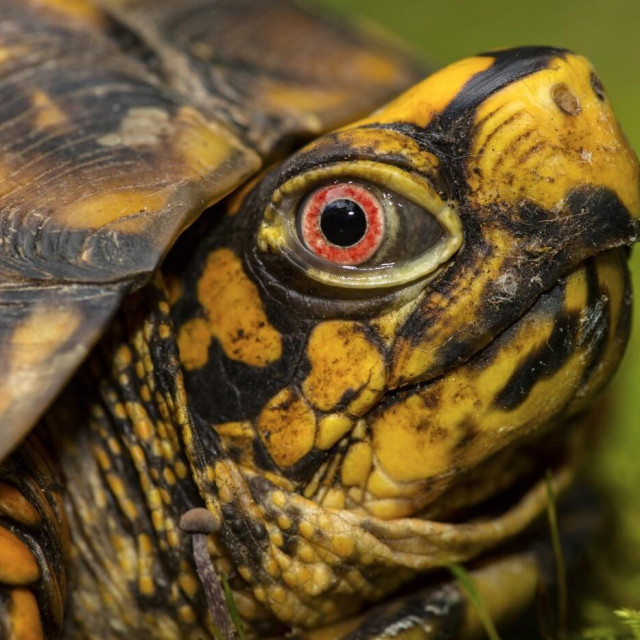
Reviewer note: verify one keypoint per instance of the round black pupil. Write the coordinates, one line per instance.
(343, 222)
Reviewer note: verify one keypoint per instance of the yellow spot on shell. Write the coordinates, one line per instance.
(39, 336)
(12, 53)
(244, 335)
(48, 113)
(81, 10)
(287, 427)
(99, 209)
(356, 465)
(344, 364)
(200, 143)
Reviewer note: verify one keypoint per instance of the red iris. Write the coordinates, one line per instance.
(342, 223)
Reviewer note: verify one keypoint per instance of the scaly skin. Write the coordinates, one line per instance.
(341, 425)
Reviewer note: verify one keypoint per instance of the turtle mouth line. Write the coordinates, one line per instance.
(505, 478)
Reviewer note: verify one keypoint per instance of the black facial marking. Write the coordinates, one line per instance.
(510, 65)
(449, 134)
(597, 87)
(343, 222)
(545, 361)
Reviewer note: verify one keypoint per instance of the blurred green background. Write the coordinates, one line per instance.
(608, 33)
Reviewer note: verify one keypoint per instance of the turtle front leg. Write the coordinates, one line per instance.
(33, 546)
(505, 583)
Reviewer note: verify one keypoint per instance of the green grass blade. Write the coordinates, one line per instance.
(561, 573)
(631, 618)
(233, 609)
(469, 588)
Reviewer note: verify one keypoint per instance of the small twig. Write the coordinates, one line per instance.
(200, 523)
(561, 573)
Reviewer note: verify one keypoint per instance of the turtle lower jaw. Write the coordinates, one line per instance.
(421, 543)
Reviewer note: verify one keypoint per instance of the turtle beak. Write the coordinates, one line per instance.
(527, 144)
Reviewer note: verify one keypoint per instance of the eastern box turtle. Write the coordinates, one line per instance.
(357, 362)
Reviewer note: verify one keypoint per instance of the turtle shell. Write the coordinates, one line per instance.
(120, 122)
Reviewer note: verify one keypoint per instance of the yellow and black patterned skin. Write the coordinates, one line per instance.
(350, 424)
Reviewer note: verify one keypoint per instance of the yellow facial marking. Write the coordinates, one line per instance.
(333, 498)
(415, 440)
(81, 10)
(542, 136)
(287, 426)
(306, 99)
(427, 99)
(140, 127)
(375, 67)
(245, 334)
(48, 114)
(331, 429)
(387, 326)
(345, 365)
(194, 338)
(12, 53)
(357, 465)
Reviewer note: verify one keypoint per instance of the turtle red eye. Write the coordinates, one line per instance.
(342, 223)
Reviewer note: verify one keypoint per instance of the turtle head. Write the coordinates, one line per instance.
(407, 304)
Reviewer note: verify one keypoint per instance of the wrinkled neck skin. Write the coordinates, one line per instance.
(347, 435)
